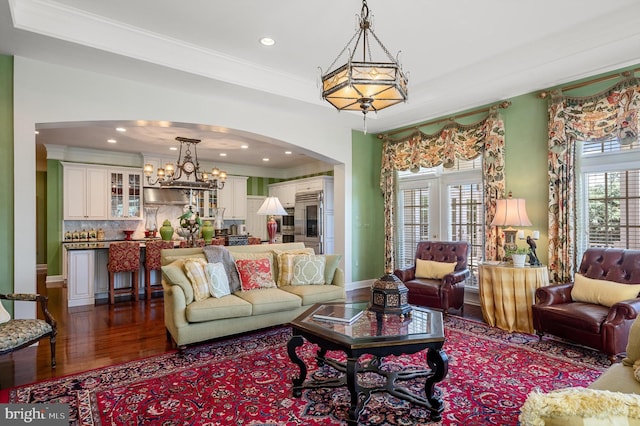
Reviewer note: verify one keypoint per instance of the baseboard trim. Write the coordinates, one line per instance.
(359, 284)
(54, 281)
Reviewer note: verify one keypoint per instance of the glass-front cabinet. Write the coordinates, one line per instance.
(125, 201)
(206, 201)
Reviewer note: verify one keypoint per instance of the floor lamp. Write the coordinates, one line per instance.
(272, 207)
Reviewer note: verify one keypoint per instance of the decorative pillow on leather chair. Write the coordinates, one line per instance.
(602, 292)
(433, 270)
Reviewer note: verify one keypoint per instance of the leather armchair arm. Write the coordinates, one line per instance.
(554, 294)
(625, 310)
(456, 277)
(406, 274)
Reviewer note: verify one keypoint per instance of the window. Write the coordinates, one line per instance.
(608, 195)
(441, 204)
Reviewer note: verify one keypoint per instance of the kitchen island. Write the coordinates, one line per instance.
(86, 275)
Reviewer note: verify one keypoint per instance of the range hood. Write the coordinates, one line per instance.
(165, 196)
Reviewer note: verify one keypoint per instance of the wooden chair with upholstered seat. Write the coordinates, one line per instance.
(19, 333)
(152, 262)
(124, 256)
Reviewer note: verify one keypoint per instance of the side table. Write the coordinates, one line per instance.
(507, 293)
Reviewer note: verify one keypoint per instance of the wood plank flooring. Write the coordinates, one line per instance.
(91, 337)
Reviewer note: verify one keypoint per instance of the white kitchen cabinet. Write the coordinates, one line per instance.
(310, 184)
(80, 276)
(233, 197)
(85, 192)
(285, 191)
(125, 197)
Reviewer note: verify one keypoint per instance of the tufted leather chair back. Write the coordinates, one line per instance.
(621, 266)
(444, 251)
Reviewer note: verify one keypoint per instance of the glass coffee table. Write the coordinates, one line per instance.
(376, 335)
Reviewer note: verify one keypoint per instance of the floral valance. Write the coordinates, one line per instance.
(454, 140)
(611, 112)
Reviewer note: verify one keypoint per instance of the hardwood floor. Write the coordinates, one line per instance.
(98, 336)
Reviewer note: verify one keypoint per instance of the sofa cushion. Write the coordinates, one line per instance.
(218, 308)
(173, 274)
(311, 294)
(284, 260)
(617, 378)
(331, 264)
(580, 406)
(602, 292)
(433, 270)
(255, 274)
(308, 269)
(217, 279)
(194, 268)
(270, 300)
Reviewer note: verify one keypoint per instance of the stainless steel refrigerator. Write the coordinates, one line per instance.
(309, 220)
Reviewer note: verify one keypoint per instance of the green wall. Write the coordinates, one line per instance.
(367, 222)
(6, 175)
(54, 217)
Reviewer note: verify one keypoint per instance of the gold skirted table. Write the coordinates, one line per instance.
(507, 293)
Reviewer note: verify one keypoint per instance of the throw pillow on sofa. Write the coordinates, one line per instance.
(285, 264)
(194, 268)
(217, 279)
(308, 269)
(255, 274)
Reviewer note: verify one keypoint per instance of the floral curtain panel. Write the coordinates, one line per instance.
(454, 140)
(571, 119)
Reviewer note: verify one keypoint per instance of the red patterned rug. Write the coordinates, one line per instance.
(247, 381)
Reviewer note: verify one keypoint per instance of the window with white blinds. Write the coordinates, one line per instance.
(609, 194)
(465, 219)
(441, 204)
(415, 223)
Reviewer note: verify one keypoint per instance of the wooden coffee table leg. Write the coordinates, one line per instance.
(352, 385)
(439, 363)
(294, 342)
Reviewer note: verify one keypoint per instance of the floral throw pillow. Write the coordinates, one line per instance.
(255, 274)
(217, 279)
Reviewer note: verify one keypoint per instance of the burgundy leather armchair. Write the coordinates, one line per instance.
(447, 292)
(596, 326)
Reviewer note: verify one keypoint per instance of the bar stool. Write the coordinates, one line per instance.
(152, 262)
(123, 257)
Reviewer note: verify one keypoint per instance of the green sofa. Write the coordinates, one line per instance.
(189, 321)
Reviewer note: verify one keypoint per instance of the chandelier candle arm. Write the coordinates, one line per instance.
(187, 165)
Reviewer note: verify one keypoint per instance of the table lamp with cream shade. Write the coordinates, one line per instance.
(510, 212)
(272, 207)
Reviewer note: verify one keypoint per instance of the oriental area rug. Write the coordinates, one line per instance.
(247, 381)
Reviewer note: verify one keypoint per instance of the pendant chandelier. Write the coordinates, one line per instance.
(187, 167)
(366, 85)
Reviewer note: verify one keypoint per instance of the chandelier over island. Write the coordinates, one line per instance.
(364, 85)
(187, 167)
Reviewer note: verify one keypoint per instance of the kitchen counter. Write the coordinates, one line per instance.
(87, 245)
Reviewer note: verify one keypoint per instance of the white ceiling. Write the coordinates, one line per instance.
(459, 54)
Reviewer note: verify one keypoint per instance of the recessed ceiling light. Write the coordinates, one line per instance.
(288, 152)
(173, 148)
(121, 129)
(244, 146)
(265, 159)
(111, 140)
(36, 132)
(223, 154)
(267, 41)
